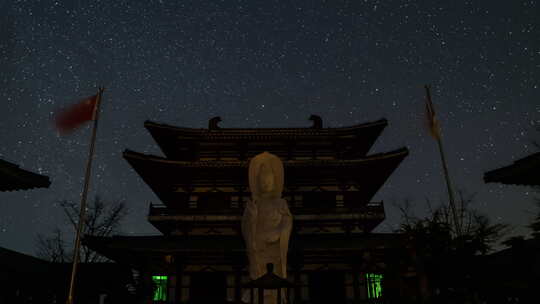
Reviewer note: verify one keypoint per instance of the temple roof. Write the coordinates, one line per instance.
(198, 248)
(194, 243)
(363, 216)
(256, 132)
(166, 176)
(14, 178)
(19, 262)
(132, 155)
(523, 171)
(181, 143)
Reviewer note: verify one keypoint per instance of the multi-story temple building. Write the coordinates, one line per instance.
(202, 182)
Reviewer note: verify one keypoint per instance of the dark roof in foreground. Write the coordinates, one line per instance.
(227, 249)
(525, 171)
(233, 243)
(14, 178)
(22, 263)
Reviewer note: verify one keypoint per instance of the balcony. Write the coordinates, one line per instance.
(306, 220)
(370, 209)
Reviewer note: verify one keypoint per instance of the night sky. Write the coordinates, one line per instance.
(267, 64)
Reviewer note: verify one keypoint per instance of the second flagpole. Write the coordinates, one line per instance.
(82, 212)
(451, 200)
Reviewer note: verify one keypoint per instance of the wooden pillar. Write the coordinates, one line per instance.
(290, 149)
(422, 280)
(260, 295)
(356, 284)
(145, 287)
(298, 200)
(295, 265)
(364, 285)
(185, 281)
(305, 288)
(349, 286)
(243, 197)
(297, 287)
(237, 284)
(242, 150)
(178, 283)
(230, 280)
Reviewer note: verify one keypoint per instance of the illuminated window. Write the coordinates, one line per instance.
(160, 291)
(374, 287)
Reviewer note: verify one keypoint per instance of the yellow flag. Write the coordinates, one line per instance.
(433, 124)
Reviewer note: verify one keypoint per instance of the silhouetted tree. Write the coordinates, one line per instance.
(102, 219)
(535, 223)
(479, 234)
(446, 259)
(52, 248)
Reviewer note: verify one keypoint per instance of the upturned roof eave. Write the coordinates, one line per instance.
(150, 125)
(163, 175)
(13, 178)
(129, 154)
(172, 243)
(170, 138)
(522, 172)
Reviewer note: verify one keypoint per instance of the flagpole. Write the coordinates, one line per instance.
(445, 170)
(82, 212)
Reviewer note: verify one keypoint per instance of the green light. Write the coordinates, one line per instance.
(374, 287)
(160, 293)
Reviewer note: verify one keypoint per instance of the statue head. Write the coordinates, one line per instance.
(266, 176)
(266, 179)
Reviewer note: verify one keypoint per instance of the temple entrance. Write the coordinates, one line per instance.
(208, 287)
(327, 287)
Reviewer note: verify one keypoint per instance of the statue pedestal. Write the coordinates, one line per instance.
(276, 290)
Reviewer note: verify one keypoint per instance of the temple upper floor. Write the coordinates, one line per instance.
(174, 181)
(315, 142)
(225, 219)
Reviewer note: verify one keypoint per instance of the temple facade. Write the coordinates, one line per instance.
(202, 184)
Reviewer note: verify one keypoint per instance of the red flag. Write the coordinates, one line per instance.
(74, 116)
(433, 124)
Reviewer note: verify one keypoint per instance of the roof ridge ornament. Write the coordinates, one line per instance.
(213, 123)
(317, 121)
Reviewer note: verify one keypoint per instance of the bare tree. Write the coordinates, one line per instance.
(536, 142)
(102, 219)
(52, 248)
(535, 223)
(479, 234)
(445, 259)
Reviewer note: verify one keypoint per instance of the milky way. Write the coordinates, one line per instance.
(264, 64)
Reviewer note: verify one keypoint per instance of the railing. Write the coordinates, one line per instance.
(159, 209)
(372, 301)
(162, 210)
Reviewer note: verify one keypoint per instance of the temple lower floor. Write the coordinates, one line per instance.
(213, 269)
(317, 286)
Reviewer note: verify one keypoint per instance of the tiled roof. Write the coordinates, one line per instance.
(14, 178)
(261, 132)
(525, 171)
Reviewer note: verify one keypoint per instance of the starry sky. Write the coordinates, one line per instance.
(267, 64)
